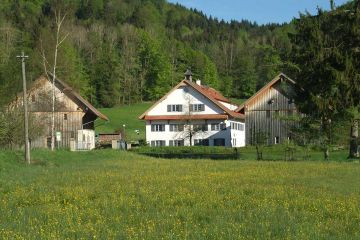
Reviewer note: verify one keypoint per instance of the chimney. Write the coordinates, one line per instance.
(188, 75)
(198, 82)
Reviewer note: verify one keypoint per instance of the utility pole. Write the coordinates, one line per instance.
(26, 116)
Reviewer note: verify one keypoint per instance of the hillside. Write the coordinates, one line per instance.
(128, 115)
(127, 51)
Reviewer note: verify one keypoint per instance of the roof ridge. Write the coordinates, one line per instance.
(200, 89)
(79, 97)
(268, 85)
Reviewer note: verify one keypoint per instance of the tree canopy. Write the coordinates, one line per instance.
(126, 51)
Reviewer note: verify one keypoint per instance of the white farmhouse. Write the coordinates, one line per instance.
(192, 114)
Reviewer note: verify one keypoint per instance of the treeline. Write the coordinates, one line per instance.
(127, 51)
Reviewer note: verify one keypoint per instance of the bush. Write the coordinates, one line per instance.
(189, 152)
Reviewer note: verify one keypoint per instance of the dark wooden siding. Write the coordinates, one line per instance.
(68, 127)
(268, 113)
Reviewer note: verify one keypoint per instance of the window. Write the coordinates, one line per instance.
(174, 108)
(176, 143)
(219, 142)
(158, 143)
(237, 126)
(176, 127)
(65, 116)
(215, 127)
(218, 126)
(197, 107)
(201, 142)
(200, 127)
(158, 127)
(277, 140)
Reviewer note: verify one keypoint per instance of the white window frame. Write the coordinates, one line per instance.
(174, 108)
(200, 107)
(158, 143)
(204, 127)
(177, 143)
(176, 127)
(215, 127)
(157, 127)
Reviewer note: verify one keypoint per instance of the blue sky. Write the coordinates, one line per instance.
(261, 11)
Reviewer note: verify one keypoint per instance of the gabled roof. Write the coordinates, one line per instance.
(253, 98)
(74, 96)
(215, 94)
(210, 93)
(189, 117)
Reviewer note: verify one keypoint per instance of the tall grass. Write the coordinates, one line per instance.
(120, 195)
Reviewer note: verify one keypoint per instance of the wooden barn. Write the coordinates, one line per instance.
(72, 112)
(268, 111)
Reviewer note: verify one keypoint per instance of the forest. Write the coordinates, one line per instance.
(126, 51)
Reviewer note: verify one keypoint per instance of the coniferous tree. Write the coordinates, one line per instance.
(325, 51)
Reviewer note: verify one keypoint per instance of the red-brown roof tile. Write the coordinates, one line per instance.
(188, 117)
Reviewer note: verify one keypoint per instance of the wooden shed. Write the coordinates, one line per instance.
(268, 111)
(72, 112)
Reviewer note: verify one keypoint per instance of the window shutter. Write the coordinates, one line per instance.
(202, 107)
(180, 108)
(152, 128)
(169, 108)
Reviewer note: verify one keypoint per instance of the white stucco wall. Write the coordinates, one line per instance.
(228, 134)
(230, 106)
(185, 96)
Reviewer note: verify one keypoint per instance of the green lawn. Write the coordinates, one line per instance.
(238, 101)
(119, 195)
(128, 115)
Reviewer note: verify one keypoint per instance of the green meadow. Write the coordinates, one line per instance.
(127, 115)
(109, 194)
